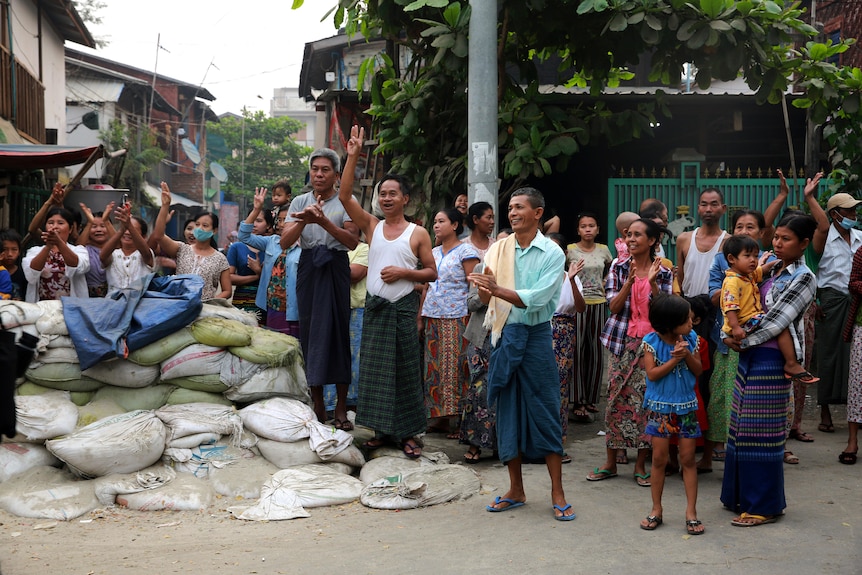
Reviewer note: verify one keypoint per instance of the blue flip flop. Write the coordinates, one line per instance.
(512, 504)
(563, 510)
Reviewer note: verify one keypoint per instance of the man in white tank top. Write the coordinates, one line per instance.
(696, 250)
(391, 394)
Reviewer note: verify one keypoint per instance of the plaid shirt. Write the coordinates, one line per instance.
(792, 291)
(614, 334)
(855, 287)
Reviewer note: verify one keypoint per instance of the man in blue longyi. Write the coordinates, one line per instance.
(521, 284)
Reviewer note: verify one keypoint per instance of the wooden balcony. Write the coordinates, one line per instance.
(26, 111)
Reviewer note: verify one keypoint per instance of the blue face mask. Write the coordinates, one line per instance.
(847, 223)
(201, 235)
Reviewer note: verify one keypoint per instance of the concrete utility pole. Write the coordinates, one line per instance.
(482, 185)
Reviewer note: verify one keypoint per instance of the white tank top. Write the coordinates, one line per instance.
(695, 280)
(382, 253)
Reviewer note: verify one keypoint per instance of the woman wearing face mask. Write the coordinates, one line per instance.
(202, 257)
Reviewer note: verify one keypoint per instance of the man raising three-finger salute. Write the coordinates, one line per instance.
(325, 234)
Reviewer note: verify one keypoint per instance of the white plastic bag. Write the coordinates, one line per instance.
(120, 444)
(318, 486)
(274, 505)
(295, 453)
(286, 420)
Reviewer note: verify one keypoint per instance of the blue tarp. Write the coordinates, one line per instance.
(126, 320)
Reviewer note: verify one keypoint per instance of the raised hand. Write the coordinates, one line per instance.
(783, 188)
(811, 184)
(88, 213)
(58, 194)
(652, 274)
(259, 198)
(166, 195)
(354, 143)
(577, 267)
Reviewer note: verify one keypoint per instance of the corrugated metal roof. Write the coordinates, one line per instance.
(93, 90)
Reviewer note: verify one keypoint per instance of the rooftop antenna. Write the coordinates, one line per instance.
(155, 69)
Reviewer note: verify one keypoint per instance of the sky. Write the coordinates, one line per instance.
(238, 50)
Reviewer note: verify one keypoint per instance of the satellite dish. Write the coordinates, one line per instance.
(191, 151)
(218, 171)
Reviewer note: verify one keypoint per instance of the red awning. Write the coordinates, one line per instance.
(35, 157)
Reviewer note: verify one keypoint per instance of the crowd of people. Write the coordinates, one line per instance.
(499, 342)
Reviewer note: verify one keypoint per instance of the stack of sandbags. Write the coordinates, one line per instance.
(290, 435)
(194, 430)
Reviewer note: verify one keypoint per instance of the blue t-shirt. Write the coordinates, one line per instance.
(674, 393)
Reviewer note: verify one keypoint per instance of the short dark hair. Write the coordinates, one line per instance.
(64, 213)
(284, 185)
(11, 235)
(558, 239)
(700, 306)
(145, 229)
(734, 217)
(583, 215)
(403, 182)
(653, 232)
(667, 312)
(711, 190)
(654, 204)
(735, 245)
(477, 210)
(534, 196)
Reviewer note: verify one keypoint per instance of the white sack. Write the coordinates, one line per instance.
(120, 444)
(445, 483)
(51, 321)
(123, 373)
(108, 487)
(237, 371)
(195, 418)
(274, 505)
(45, 416)
(196, 359)
(286, 420)
(57, 355)
(16, 458)
(388, 466)
(184, 493)
(199, 460)
(223, 308)
(58, 341)
(242, 478)
(194, 440)
(392, 493)
(318, 486)
(47, 493)
(286, 455)
(287, 382)
(15, 313)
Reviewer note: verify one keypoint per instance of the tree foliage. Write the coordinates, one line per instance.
(270, 152)
(143, 152)
(89, 12)
(420, 112)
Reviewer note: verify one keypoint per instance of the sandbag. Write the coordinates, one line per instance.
(392, 493)
(221, 332)
(63, 376)
(207, 383)
(184, 493)
(47, 493)
(78, 397)
(18, 313)
(199, 460)
(98, 410)
(318, 486)
(271, 348)
(194, 440)
(131, 399)
(194, 418)
(180, 396)
(286, 455)
(16, 458)
(223, 309)
(287, 382)
(196, 359)
(108, 487)
(119, 444)
(445, 483)
(236, 371)
(57, 355)
(45, 416)
(160, 350)
(242, 478)
(388, 466)
(51, 321)
(58, 341)
(123, 373)
(282, 419)
(274, 505)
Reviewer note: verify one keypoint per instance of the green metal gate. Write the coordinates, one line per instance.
(680, 191)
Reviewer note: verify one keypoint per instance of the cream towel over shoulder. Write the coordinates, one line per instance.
(500, 259)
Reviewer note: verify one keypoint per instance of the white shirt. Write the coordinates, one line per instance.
(833, 271)
(124, 270)
(76, 274)
(566, 304)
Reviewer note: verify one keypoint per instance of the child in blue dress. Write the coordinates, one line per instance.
(672, 367)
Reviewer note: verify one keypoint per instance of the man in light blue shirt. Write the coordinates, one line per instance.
(521, 283)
